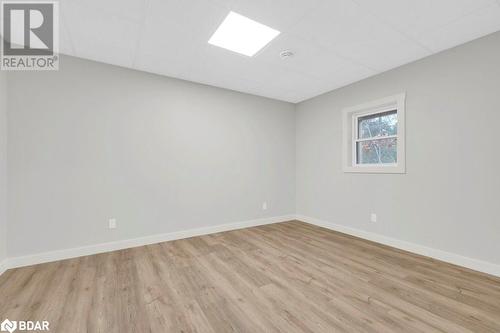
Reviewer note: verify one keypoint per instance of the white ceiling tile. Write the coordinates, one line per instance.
(224, 61)
(314, 62)
(255, 84)
(384, 55)
(284, 78)
(308, 57)
(225, 67)
(277, 14)
(100, 36)
(128, 9)
(65, 42)
(247, 75)
(172, 38)
(346, 28)
(413, 17)
(344, 77)
(339, 80)
(175, 21)
(338, 23)
(475, 25)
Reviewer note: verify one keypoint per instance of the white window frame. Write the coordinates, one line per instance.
(350, 135)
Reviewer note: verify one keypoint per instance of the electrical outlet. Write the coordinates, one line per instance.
(112, 223)
(264, 205)
(373, 217)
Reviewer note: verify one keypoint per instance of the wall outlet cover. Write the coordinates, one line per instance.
(112, 223)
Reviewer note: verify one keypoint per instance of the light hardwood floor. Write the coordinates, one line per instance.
(286, 277)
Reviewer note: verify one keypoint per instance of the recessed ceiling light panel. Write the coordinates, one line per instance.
(242, 35)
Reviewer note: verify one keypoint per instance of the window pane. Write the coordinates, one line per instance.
(377, 125)
(381, 151)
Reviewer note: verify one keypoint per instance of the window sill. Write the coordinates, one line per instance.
(375, 169)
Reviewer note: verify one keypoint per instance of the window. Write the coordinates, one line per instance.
(374, 139)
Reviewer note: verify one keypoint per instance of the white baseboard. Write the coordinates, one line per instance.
(3, 266)
(475, 264)
(129, 243)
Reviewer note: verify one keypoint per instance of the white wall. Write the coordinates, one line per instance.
(3, 167)
(449, 197)
(93, 141)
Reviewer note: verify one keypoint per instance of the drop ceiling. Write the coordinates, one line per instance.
(335, 42)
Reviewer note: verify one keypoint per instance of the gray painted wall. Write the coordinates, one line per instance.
(450, 195)
(94, 141)
(3, 165)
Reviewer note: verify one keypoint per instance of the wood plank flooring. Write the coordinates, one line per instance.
(285, 277)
